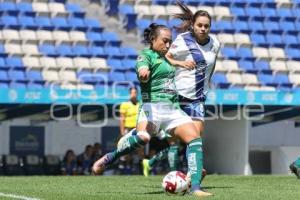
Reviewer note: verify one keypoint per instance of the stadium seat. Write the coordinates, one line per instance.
(229, 53)
(27, 22)
(249, 79)
(32, 62)
(13, 49)
(48, 50)
(32, 165)
(246, 66)
(86, 77)
(220, 80)
(48, 63)
(129, 52)
(277, 53)
(11, 36)
(258, 40)
(266, 79)
(293, 66)
(14, 62)
(51, 165)
(17, 75)
(65, 63)
(50, 76)
(34, 76)
(35, 86)
(230, 66)
(67, 76)
(60, 23)
(242, 39)
(115, 64)
(44, 23)
(41, 8)
(95, 38)
(235, 79)
(11, 165)
(78, 37)
(74, 9)
(8, 8)
(245, 53)
(99, 64)
(261, 53)
(274, 40)
(295, 79)
(4, 76)
(30, 50)
(262, 65)
(111, 38)
(292, 53)
(82, 64)
(44, 36)
(113, 52)
(77, 24)
(219, 67)
(57, 9)
(227, 39)
(81, 51)
(129, 64)
(93, 25)
(117, 78)
(3, 65)
(28, 37)
(25, 8)
(278, 66)
(65, 50)
(9, 22)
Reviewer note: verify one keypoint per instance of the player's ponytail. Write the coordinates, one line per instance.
(188, 18)
(152, 32)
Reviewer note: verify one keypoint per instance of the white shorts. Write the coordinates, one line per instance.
(165, 116)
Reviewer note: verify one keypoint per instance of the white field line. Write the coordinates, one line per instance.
(17, 196)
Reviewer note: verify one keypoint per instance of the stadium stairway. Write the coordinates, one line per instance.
(94, 9)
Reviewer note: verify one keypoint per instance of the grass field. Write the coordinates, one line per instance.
(138, 187)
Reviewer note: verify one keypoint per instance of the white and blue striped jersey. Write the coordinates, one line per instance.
(194, 84)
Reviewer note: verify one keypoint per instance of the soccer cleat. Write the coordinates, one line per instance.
(204, 173)
(201, 193)
(146, 167)
(100, 165)
(295, 170)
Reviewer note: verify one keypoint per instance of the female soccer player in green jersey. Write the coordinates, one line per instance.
(160, 108)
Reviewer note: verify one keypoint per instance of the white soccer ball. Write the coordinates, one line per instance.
(174, 183)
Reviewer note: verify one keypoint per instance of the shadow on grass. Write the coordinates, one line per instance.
(217, 187)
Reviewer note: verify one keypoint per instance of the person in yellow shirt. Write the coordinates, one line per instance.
(129, 112)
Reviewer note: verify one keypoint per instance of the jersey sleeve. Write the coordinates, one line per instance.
(143, 61)
(123, 107)
(178, 47)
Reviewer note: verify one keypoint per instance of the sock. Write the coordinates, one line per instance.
(195, 162)
(130, 144)
(173, 157)
(159, 156)
(297, 163)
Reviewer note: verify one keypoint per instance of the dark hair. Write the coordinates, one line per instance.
(188, 17)
(132, 88)
(152, 32)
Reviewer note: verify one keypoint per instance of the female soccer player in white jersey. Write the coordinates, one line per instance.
(160, 108)
(193, 53)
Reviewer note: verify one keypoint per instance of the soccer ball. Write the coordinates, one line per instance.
(174, 183)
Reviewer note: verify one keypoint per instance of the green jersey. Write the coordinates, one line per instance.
(160, 87)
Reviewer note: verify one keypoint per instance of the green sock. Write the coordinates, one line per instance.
(130, 144)
(195, 162)
(173, 157)
(159, 156)
(297, 162)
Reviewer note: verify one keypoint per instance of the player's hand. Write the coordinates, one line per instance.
(188, 64)
(144, 75)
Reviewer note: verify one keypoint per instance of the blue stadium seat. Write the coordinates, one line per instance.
(258, 40)
(270, 13)
(266, 79)
(220, 80)
(224, 26)
(174, 22)
(296, 12)
(101, 77)
(257, 27)
(74, 9)
(284, 13)
(116, 77)
(247, 66)
(25, 8)
(111, 38)
(129, 52)
(161, 21)
(34, 76)
(61, 23)
(253, 12)
(281, 79)
(44, 23)
(17, 85)
(292, 53)
(241, 27)
(113, 52)
(290, 40)
(192, 2)
(272, 26)
(81, 51)
(2, 50)
(274, 40)
(115, 64)
(27, 22)
(97, 51)
(131, 76)
(238, 11)
(77, 24)
(142, 24)
(4, 76)
(229, 53)
(245, 53)
(93, 24)
(129, 64)
(86, 77)
(9, 22)
(112, 7)
(8, 8)
(96, 38)
(17, 75)
(15, 62)
(262, 66)
(288, 27)
(65, 50)
(160, 2)
(3, 65)
(128, 16)
(48, 49)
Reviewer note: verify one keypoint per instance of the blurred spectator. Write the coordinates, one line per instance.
(69, 165)
(85, 160)
(97, 151)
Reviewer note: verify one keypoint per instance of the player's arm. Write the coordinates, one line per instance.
(143, 67)
(187, 64)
